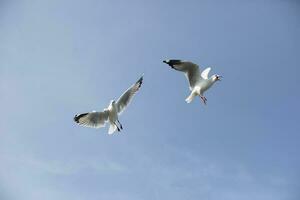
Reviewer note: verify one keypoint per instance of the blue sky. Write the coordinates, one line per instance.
(59, 58)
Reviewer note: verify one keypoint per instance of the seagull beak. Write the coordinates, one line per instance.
(219, 78)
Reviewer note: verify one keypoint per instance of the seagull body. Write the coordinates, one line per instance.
(198, 82)
(111, 113)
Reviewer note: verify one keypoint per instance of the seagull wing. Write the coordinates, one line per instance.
(191, 70)
(205, 73)
(127, 96)
(92, 119)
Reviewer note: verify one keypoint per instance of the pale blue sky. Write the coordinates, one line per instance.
(62, 57)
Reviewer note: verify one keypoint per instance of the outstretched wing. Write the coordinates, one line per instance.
(92, 119)
(191, 70)
(127, 96)
(205, 73)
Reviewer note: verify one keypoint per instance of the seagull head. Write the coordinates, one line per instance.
(217, 78)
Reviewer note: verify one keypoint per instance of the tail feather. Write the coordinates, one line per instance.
(112, 129)
(190, 98)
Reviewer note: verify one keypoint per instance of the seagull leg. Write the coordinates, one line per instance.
(204, 99)
(120, 124)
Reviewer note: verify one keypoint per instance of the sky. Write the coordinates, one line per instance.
(59, 58)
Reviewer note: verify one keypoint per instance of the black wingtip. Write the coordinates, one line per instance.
(172, 62)
(77, 117)
(140, 81)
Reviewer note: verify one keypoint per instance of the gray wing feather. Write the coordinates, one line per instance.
(191, 70)
(127, 96)
(92, 119)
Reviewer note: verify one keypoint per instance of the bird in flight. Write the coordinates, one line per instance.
(199, 83)
(110, 114)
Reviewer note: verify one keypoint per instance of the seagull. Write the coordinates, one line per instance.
(199, 83)
(111, 113)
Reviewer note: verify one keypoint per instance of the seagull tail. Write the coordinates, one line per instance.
(190, 98)
(112, 129)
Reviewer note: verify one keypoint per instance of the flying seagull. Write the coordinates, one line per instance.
(110, 114)
(199, 83)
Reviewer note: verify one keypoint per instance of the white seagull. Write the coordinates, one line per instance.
(199, 83)
(98, 119)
